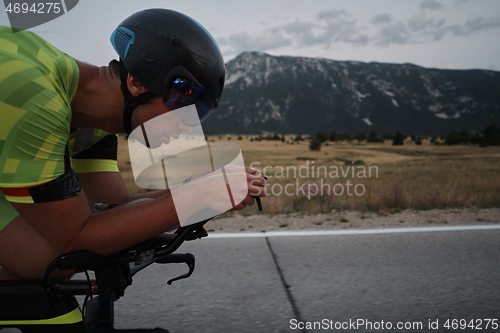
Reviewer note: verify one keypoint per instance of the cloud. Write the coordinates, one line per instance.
(331, 26)
(267, 40)
(305, 33)
(430, 4)
(338, 26)
(475, 25)
(396, 33)
(421, 26)
(460, 2)
(298, 27)
(419, 29)
(329, 14)
(381, 19)
(418, 22)
(481, 23)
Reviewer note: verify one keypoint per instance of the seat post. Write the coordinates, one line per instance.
(111, 281)
(100, 312)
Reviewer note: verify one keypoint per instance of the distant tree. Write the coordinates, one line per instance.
(283, 138)
(476, 139)
(333, 137)
(240, 138)
(251, 139)
(315, 145)
(452, 139)
(418, 141)
(373, 137)
(344, 137)
(457, 138)
(322, 136)
(492, 135)
(464, 135)
(340, 137)
(361, 137)
(273, 137)
(276, 137)
(399, 139)
(298, 138)
(413, 137)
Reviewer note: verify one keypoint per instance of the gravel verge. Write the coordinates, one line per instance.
(355, 219)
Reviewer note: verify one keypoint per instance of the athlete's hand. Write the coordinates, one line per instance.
(256, 188)
(229, 188)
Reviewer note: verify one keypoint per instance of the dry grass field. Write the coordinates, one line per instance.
(382, 178)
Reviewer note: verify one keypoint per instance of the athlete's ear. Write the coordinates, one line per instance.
(134, 86)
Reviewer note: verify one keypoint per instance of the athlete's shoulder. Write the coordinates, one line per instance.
(24, 39)
(26, 49)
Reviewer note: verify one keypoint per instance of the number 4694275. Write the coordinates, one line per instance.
(36, 8)
(474, 324)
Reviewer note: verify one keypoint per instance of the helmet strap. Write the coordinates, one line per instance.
(130, 101)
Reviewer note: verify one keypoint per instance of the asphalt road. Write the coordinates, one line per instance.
(281, 284)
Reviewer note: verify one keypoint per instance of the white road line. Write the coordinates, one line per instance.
(350, 231)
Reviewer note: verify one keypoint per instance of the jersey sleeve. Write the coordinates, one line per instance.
(100, 157)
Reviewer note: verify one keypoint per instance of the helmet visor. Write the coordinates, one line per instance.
(183, 93)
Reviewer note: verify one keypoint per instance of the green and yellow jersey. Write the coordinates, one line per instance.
(37, 86)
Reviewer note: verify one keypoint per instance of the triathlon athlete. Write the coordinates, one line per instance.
(59, 118)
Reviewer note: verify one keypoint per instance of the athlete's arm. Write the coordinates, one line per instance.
(109, 188)
(69, 225)
(97, 169)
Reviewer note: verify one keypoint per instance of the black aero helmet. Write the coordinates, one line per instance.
(159, 46)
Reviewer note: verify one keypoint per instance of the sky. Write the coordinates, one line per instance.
(449, 34)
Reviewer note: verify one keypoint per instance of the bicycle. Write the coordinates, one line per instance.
(47, 306)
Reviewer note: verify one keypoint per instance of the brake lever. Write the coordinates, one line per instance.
(259, 202)
(178, 258)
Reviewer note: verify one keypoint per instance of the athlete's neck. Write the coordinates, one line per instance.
(98, 102)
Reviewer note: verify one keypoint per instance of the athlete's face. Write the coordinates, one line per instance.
(160, 124)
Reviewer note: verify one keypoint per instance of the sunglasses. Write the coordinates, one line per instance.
(184, 93)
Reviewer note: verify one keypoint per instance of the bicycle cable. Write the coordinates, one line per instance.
(48, 271)
(89, 295)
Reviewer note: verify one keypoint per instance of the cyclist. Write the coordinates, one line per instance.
(58, 123)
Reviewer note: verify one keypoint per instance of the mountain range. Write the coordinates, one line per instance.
(283, 94)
